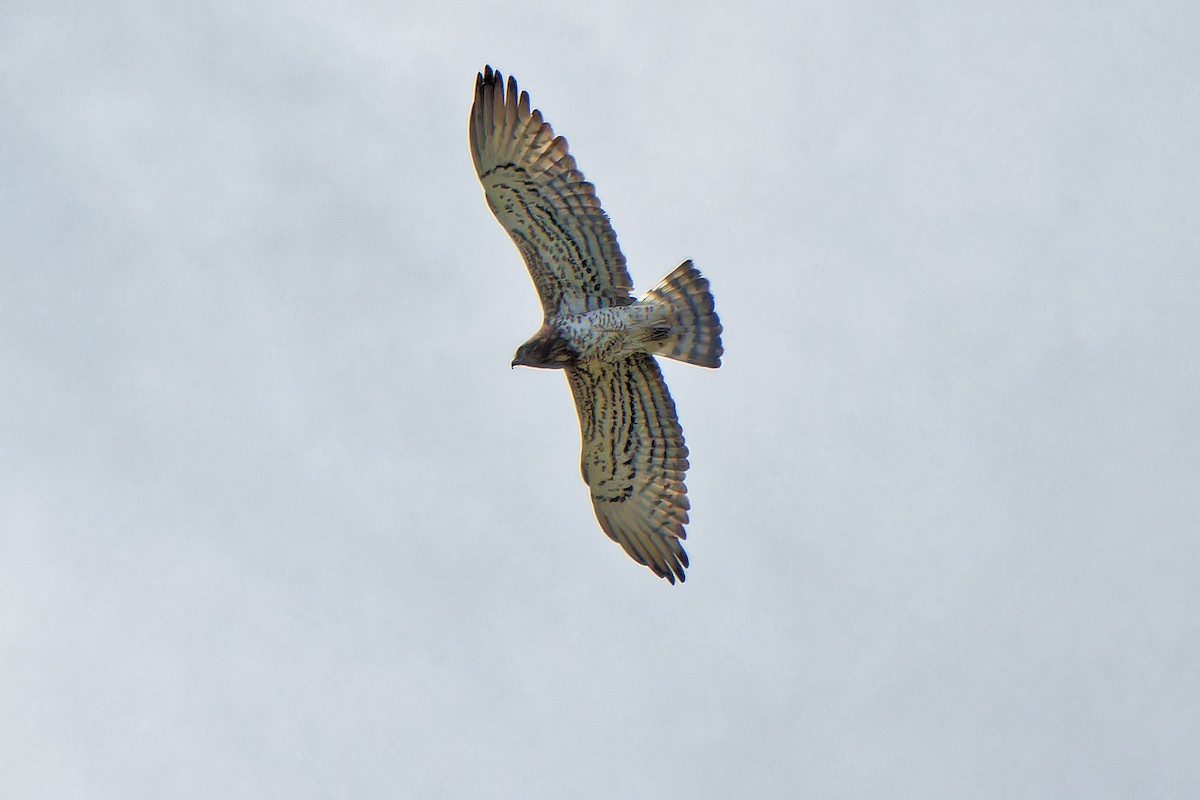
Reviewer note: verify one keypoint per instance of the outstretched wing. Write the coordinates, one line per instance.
(634, 459)
(543, 201)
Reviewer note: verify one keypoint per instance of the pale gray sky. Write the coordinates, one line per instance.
(278, 520)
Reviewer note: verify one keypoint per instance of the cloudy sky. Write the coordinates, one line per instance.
(278, 520)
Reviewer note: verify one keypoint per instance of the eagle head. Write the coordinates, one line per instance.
(546, 350)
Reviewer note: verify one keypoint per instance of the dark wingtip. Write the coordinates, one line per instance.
(674, 568)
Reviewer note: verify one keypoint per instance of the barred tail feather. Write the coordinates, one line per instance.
(695, 335)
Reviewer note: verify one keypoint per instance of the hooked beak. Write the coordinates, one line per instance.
(514, 364)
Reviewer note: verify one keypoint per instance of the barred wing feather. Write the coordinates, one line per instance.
(543, 201)
(634, 459)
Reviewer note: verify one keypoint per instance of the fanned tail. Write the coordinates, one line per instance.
(695, 333)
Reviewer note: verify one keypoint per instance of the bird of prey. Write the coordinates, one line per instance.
(602, 337)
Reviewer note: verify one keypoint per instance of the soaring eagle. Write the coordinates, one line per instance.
(634, 458)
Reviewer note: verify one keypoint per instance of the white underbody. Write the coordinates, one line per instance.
(616, 332)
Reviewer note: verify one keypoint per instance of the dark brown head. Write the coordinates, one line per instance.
(546, 350)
